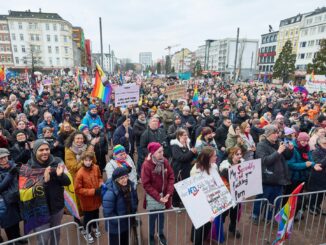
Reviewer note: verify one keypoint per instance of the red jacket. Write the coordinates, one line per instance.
(86, 181)
(152, 182)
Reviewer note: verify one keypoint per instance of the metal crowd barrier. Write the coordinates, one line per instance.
(69, 235)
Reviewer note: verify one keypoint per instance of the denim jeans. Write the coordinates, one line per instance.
(270, 192)
(160, 223)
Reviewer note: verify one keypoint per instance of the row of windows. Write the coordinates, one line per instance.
(309, 43)
(38, 48)
(35, 26)
(24, 60)
(36, 37)
(313, 30)
(316, 20)
(309, 55)
(268, 59)
(3, 27)
(269, 39)
(266, 68)
(5, 48)
(288, 33)
(4, 37)
(5, 58)
(268, 49)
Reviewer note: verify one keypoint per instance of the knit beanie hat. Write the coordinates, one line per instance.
(288, 131)
(82, 127)
(209, 120)
(119, 172)
(303, 137)
(93, 125)
(153, 147)
(270, 129)
(92, 106)
(118, 149)
(38, 143)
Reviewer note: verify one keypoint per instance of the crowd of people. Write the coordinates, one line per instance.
(60, 137)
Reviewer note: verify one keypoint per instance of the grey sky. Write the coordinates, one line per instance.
(133, 26)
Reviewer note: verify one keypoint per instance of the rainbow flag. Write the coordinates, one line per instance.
(285, 217)
(2, 73)
(195, 97)
(100, 91)
(70, 197)
(312, 76)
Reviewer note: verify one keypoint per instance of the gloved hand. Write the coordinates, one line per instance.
(98, 191)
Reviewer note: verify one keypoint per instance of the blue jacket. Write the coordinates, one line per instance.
(44, 124)
(9, 191)
(114, 205)
(88, 120)
(297, 165)
(119, 138)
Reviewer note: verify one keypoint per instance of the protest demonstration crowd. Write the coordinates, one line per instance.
(60, 141)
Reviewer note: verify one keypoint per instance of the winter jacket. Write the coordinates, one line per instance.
(248, 143)
(20, 154)
(112, 165)
(188, 119)
(54, 188)
(56, 151)
(101, 150)
(167, 118)
(138, 129)
(3, 142)
(114, 205)
(221, 135)
(44, 124)
(200, 144)
(6, 124)
(297, 166)
(9, 191)
(182, 158)
(86, 182)
(255, 133)
(89, 120)
(238, 119)
(318, 178)
(274, 167)
(119, 138)
(29, 133)
(153, 183)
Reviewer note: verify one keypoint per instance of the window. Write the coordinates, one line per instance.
(20, 25)
(23, 49)
(66, 50)
(38, 47)
(62, 27)
(32, 37)
(318, 41)
(16, 60)
(312, 31)
(4, 27)
(13, 36)
(321, 29)
(6, 37)
(317, 19)
(309, 21)
(48, 38)
(274, 48)
(30, 26)
(32, 48)
(272, 67)
(263, 40)
(37, 37)
(54, 27)
(2, 58)
(272, 59)
(304, 32)
(286, 33)
(269, 49)
(65, 39)
(50, 61)
(302, 56)
(47, 26)
(8, 59)
(49, 49)
(58, 61)
(303, 44)
(35, 26)
(8, 48)
(15, 48)
(57, 50)
(2, 48)
(56, 38)
(309, 55)
(311, 43)
(21, 36)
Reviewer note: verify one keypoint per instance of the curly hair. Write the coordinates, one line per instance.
(71, 138)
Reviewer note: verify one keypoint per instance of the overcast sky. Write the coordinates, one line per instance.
(133, 26)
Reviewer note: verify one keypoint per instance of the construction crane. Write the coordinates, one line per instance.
(171, 46)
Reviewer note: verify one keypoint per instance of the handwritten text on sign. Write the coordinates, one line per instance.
(127, 94)
(245, 180)
(175, 92)
(206, 193)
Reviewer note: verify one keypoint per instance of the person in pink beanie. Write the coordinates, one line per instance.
(158, 179)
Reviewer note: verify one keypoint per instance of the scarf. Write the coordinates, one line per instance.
(126, 193)
(159, 165)
(142, 122)
(78, 150)
(122, 162)
(34, 208)
(304, 150)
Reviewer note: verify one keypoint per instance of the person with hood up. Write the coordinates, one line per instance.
(119, 198)
(45, 175)
(158, 180)
(92, 117)
(101, 147)
(182, 157)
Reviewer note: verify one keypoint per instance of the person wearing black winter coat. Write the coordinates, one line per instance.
(256, 131)
(123, 135)
(21, 151)
(100, 148)
(138, 129)
(222, 133)
(317, 180)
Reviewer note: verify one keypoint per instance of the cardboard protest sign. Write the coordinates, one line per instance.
(127, 94)
(175, 92)
(316, 83)
(206, 193)
(157, 82)
(245, 180)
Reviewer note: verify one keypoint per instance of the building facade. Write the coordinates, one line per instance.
(267, 53)
(145, 58)
(6, 57)
(181, 60)
(312, 31)
(40, 39)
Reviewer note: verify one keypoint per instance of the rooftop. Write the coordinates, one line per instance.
(3, 17)
(317, 11)
(36, 15)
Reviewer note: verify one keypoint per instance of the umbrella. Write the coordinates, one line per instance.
(300, 89)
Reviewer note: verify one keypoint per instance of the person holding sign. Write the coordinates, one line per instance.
(158, 180)
(205, 163)
(234, 157)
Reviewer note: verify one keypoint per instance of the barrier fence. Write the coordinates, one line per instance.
(308, 228)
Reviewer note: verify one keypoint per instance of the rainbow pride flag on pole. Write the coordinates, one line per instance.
(195, 97)
(285, 218)
(2, 73)
(100, 91)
